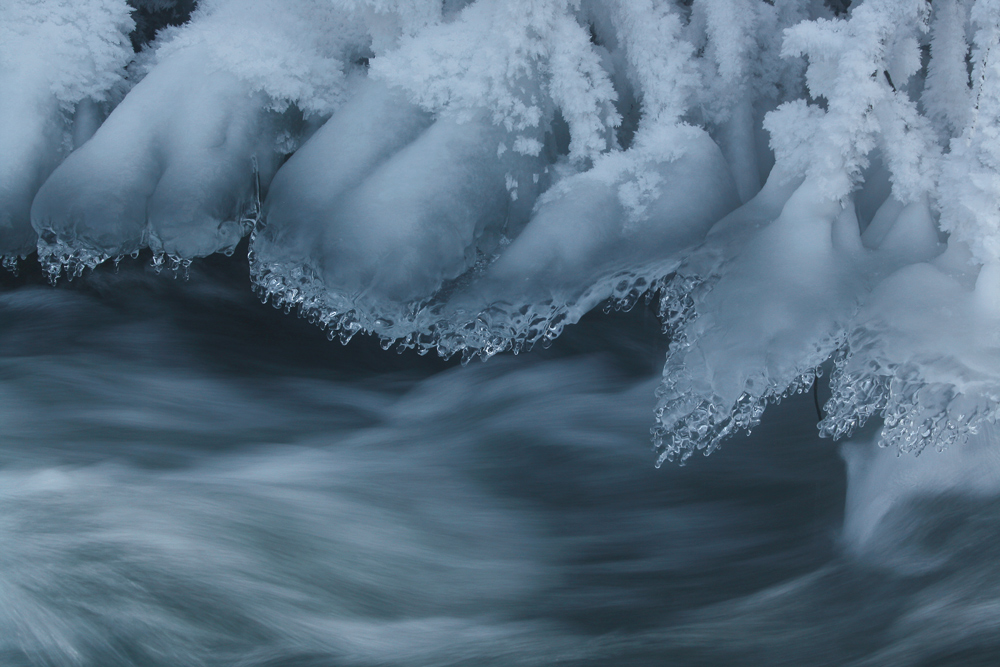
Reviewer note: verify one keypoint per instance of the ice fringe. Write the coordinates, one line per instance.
(427, 326)
(689, 422)
(59, 257)
(61, 63)
(524, 291)
(924, 356)
(586, 104)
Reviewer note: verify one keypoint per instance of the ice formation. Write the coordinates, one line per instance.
(177, 167)
(794, 181)
(60, 61)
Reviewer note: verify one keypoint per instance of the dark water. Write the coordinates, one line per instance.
(190, 478)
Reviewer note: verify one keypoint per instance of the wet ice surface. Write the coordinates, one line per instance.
(191, 478)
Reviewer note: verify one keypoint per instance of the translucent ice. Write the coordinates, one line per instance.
(610, 232)
(58, 60)
(783, 176)
(761, 329)
(177, 165)
(924, 355)
(176, 184)
(405, 210)
(753, 316)
(31, 137)
(383, 206)
(780, 306)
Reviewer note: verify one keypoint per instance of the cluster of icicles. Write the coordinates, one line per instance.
(793, 183)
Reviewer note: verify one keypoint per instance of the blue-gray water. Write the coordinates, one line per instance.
(188, 478)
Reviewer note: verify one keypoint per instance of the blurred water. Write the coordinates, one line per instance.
(190, 478)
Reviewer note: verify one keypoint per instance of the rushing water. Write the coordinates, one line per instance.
(191, 478)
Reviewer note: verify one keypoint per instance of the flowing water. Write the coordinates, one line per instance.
(189, 478)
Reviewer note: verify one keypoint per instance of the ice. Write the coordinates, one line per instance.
(470, 177)
(758, 325)
(706, 262)
(418, 255)
(382, 207)
(924, 355)
(608, 233)
(178, 165)
(59, 60)
(373, 125)
(753, 316)
(434, 257)
(381, 247)
(761, 328)
(171, 169)
(31, 138)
